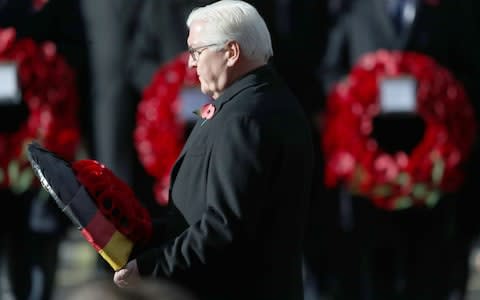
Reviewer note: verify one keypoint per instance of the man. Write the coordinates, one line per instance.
(240, 187)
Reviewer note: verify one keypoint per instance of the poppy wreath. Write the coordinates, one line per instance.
(115, 200)
(160, 134)
(99, 204)
(400, 180)
(48, 90)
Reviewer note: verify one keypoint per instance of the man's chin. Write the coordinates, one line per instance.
(207, 92)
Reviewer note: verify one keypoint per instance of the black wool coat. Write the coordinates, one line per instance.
(239, 197)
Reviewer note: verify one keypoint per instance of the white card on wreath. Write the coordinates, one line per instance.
(398, 94)
(10, 92)
(191, 99)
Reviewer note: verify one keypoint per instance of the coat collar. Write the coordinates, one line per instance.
(255, 77)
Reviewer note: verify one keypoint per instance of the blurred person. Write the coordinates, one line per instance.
(110, 28)
(395, 255)
(241, 186)
(14, 231)
(160, 37)
(62, 23)
(33, 228)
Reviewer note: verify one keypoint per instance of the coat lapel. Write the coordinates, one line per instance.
(179, 160)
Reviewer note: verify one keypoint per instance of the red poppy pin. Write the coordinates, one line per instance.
(205, 112)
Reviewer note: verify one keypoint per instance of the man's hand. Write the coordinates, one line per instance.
(128, 276)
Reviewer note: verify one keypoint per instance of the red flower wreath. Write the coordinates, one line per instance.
(400, 180)
(48, 88)
(159, 135)
(115, 200)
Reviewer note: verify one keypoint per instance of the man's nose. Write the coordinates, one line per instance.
(191, 62)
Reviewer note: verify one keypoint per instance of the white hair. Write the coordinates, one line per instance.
(235, 20)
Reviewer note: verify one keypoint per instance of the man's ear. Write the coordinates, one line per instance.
(232, 53)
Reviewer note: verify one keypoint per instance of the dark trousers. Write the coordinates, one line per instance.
(30, 256)
(401, 255)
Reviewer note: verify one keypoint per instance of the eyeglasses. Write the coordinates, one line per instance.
(195, 52)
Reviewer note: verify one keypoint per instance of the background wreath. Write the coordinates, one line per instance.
(49, 92)
(160, 133)
(399, 180)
